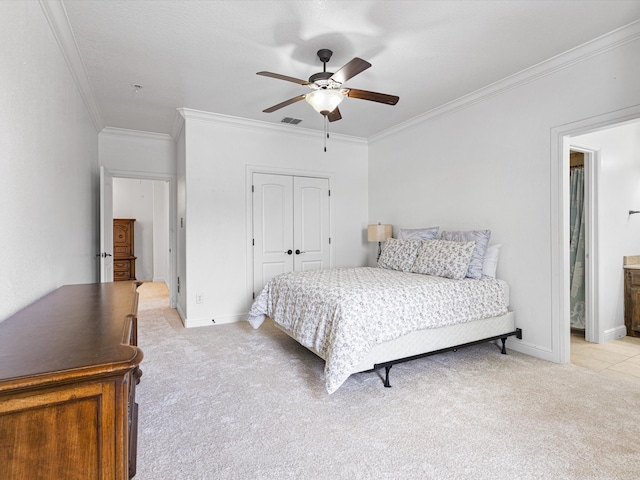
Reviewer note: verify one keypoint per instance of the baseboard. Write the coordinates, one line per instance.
(216, 320)
(531, 349)
(615, 333)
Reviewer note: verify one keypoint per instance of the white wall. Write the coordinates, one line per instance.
(618, 232)
(161, 228)
(218, 153)
(133, 151)
(49, 151)
(146, 202)
(485, 162)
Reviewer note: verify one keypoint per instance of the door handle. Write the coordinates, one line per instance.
(298, 252)
(103, 255)
(289, 252)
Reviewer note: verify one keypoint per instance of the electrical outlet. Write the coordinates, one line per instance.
(199, 297)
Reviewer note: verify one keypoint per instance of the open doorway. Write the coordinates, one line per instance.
(615, 176)
(150, 199)
(578, 215)
(584, 168)
(146, 203)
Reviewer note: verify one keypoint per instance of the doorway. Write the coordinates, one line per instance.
(146, 202)
(583, 259)
(160, 254)
(604, 322)
(577, 242)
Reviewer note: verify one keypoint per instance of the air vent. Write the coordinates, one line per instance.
(292, 121)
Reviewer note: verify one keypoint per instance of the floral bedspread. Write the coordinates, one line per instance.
(341, 313)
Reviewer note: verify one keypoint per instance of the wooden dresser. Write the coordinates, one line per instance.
(68, 370)
(631, 266)
(124, 260)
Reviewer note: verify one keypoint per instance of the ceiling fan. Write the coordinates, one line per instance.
(326, 87)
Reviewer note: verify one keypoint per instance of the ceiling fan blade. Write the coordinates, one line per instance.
(334, 116)
(283, 77)
(373, 96)
(350, 70)
(284, 104)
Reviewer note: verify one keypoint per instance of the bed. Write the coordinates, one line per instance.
(364, 318)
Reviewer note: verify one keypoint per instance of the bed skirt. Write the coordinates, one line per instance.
(433, 339)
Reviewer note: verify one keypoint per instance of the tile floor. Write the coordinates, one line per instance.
(618, 358)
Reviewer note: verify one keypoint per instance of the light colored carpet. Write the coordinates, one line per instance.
(230, 402)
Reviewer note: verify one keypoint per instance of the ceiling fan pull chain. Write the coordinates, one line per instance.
(326, 133)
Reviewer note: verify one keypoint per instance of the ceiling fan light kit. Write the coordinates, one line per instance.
(325, 101)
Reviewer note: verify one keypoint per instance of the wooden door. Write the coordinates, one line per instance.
(290, 225)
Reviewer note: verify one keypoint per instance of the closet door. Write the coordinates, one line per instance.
(272, 227)
(311, 223)
(290, 225)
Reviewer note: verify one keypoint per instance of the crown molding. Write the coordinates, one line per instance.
(58, 21)
(597, 46)
(257, 125)
(178, 125)
(125, 132)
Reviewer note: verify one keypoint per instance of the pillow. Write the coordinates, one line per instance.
(490, 263)
(398, 254)
(481, 237)
(430, 233)
(444, 258)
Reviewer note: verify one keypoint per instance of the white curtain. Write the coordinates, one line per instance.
(577, 257)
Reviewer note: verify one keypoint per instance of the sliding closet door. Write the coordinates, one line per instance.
(290, 225)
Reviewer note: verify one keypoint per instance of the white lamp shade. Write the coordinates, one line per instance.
(324, 101)
(379, 233)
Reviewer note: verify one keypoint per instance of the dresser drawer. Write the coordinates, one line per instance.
(121, 265)
(634, 277)
(121, 275)
(121, 250)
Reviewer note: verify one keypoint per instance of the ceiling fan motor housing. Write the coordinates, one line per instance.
(324, 54)
(322, 79)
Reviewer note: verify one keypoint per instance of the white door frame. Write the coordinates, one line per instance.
(172, 221)
(560, 272)
(106, 226)
(249, 171)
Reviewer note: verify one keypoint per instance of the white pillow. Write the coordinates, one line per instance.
(399, 254)
(430, 233)
(443, 258)
(490, 263)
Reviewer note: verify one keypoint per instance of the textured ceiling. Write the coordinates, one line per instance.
(204, 55)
